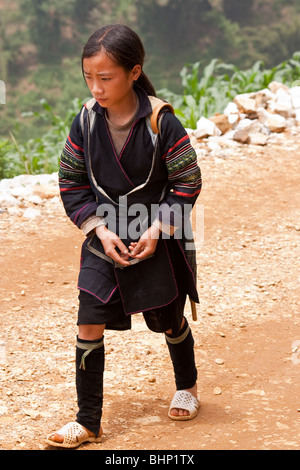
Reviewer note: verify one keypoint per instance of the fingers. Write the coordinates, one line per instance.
(137, 250)
(146, 245)
(117, 250)
(111, 244)
(143, 248)
(132, 246)
(123, 248)
(120, 257)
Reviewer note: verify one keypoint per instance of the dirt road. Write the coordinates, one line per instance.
(246, 336)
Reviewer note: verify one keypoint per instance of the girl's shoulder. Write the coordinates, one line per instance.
(76, 131)
(171, 121)
(172, 130)
(79, 120)
(163, 119)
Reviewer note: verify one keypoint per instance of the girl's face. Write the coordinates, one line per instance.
(109, 83)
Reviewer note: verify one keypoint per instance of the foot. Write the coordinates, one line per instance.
(59, 439)
(180, 412)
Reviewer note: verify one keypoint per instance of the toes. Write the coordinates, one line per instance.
(56, 438)
(179, 412)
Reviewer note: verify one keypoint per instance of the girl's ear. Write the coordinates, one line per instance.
(136, 72)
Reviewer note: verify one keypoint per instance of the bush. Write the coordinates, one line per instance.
(38, 155)
(7, 162)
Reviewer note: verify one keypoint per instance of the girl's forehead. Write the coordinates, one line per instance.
(100, 63)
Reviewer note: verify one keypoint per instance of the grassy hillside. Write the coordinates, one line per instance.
(41, 43)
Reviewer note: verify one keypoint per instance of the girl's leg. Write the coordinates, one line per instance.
(90, 332)
(89, 382)
(89, 378)
(180, 343)
(181, 349)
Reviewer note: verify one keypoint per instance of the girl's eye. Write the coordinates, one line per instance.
(106, 79)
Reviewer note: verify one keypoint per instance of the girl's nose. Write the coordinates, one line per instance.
(97, 89)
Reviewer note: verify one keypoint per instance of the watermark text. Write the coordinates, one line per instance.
(2, 92)
(132, 221)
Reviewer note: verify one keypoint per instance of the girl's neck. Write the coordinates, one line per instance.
(123, 114)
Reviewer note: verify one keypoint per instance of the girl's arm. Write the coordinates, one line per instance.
(78, 198)
(75, 190)
(184, 175)
(185, 182)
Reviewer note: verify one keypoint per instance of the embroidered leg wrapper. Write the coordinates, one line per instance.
(89, 383)
(182, 355)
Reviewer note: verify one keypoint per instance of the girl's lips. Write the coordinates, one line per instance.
(102, 102)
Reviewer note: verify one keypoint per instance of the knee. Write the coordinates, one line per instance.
(169, 332)
(90, 332)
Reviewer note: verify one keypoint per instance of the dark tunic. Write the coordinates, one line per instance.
(153, 173)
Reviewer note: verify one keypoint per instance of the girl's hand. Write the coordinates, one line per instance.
(111, 242)
(146, 245)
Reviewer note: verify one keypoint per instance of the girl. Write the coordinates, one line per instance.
(111, 164)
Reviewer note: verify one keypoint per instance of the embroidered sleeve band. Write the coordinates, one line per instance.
(76, 193)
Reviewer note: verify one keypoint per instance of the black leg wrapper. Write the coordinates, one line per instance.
(89, 383)
(182, 355)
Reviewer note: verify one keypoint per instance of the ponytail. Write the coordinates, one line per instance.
(144, 82)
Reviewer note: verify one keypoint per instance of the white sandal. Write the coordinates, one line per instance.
(184, 400)
(74, 434)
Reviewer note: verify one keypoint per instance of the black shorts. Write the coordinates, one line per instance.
(93, 312)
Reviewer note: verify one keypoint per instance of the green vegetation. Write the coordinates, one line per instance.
(203, 94)
(208, 91)
(40, 154)
(41, 44)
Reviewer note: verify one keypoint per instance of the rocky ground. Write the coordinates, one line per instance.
(247, 334)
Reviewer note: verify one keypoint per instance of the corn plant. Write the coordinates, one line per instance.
(208, 92)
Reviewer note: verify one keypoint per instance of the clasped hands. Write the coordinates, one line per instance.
(117, 250)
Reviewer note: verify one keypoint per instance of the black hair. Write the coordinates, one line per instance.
(123, 46)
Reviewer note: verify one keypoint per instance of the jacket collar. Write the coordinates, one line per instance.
(144, 104)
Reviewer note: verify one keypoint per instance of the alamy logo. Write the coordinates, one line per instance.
(2, 92)
(131, 221)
